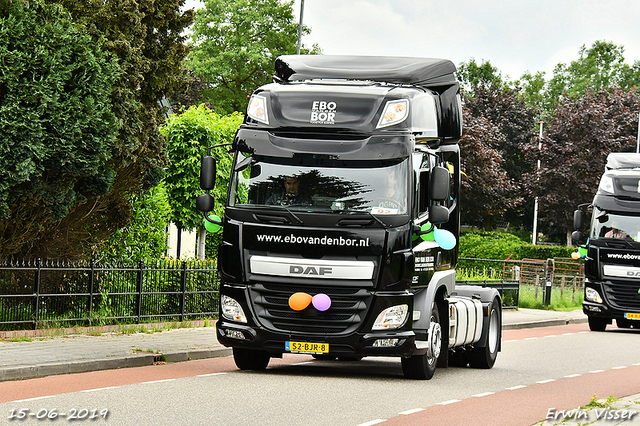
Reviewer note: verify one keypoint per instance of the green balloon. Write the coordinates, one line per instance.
(427, 227)
(212, 227)
(583, 251)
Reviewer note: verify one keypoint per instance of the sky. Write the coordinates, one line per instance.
(515, 36)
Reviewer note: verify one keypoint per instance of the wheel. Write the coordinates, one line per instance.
(597, 324)
(486, 357)
(321, 357)
(422, 367)
(247, 359)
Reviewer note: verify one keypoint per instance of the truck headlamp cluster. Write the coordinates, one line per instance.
(231, 309)
(391, 318)
(257, 109)
(606, 184)
(394, 112)
(592, 295)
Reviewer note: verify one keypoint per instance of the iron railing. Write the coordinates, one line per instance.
(42, 293)
(509, 300)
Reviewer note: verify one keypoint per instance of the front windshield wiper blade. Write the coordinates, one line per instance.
(368, 213)
(293, 215)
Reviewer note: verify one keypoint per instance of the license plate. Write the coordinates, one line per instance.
(632, 315)
(306, 347)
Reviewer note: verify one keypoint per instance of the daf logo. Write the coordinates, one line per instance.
(309, 270)
(633, 274)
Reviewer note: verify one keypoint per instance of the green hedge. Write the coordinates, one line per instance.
(500, 245)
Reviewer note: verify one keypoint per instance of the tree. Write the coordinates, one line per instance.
(534, 91)
(144, 238)
(189, 135)
(56, 120)
(487, 191)
(574, 151)
(145, 39)
(505, 108)
(601, 65)
(472, 75)
(235, 43)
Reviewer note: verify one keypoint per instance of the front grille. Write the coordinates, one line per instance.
(347, 312)
(623, 296)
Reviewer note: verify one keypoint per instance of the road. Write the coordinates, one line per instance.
(538, 369)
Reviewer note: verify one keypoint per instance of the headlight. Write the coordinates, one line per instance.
(391, 318)
(606, 184)
(592, 295)
(257, 109)
(394, 112)
(232, 310)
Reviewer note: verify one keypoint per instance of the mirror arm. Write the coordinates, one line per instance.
(217, 146)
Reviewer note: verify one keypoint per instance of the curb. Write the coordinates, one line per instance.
(141, 360)
(543, 323)
(102, 329)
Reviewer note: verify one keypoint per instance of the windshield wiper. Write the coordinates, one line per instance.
(368, 213)
(292, 214)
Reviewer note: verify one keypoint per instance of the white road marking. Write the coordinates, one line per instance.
(516, 387)
(34, 399)
(100, 389)
(451, 401)
(415, 410)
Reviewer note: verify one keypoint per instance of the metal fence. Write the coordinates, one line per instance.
(48, 293)
(37, 293)
(509, 289)
(541, 277)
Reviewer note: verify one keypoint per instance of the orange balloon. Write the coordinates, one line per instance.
(299, 301)
(575, 255)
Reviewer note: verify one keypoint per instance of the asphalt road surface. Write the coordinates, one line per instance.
(538, 369)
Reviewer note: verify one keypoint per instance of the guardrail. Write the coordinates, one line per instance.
(39, 293)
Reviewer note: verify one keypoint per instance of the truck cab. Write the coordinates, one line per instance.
(612, 251)
(342, 219)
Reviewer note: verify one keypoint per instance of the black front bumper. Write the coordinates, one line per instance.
(619, 300)
(356, 344)
(345, 327)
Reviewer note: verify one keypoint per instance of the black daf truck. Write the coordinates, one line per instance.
(612, 251)
(342, 219)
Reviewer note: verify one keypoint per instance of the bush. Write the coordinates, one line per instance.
(499, 245)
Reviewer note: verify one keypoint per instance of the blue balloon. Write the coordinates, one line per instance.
(444, 238)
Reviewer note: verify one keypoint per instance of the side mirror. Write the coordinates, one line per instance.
(208, 173)
(205, 203)
(578, 219)
(439, 188)
(438, 214)
(576, 236)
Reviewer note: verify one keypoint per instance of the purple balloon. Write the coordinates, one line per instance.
(321, 302)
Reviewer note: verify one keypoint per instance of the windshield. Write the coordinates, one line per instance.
(321, 184)
(612, 225)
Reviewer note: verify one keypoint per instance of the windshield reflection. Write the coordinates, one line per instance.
(378, 188)
(611, 225)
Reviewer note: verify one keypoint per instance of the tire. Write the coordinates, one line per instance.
(247, 359)
(486, 357)
(322, 357)
(422, 367)
(597, 324)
